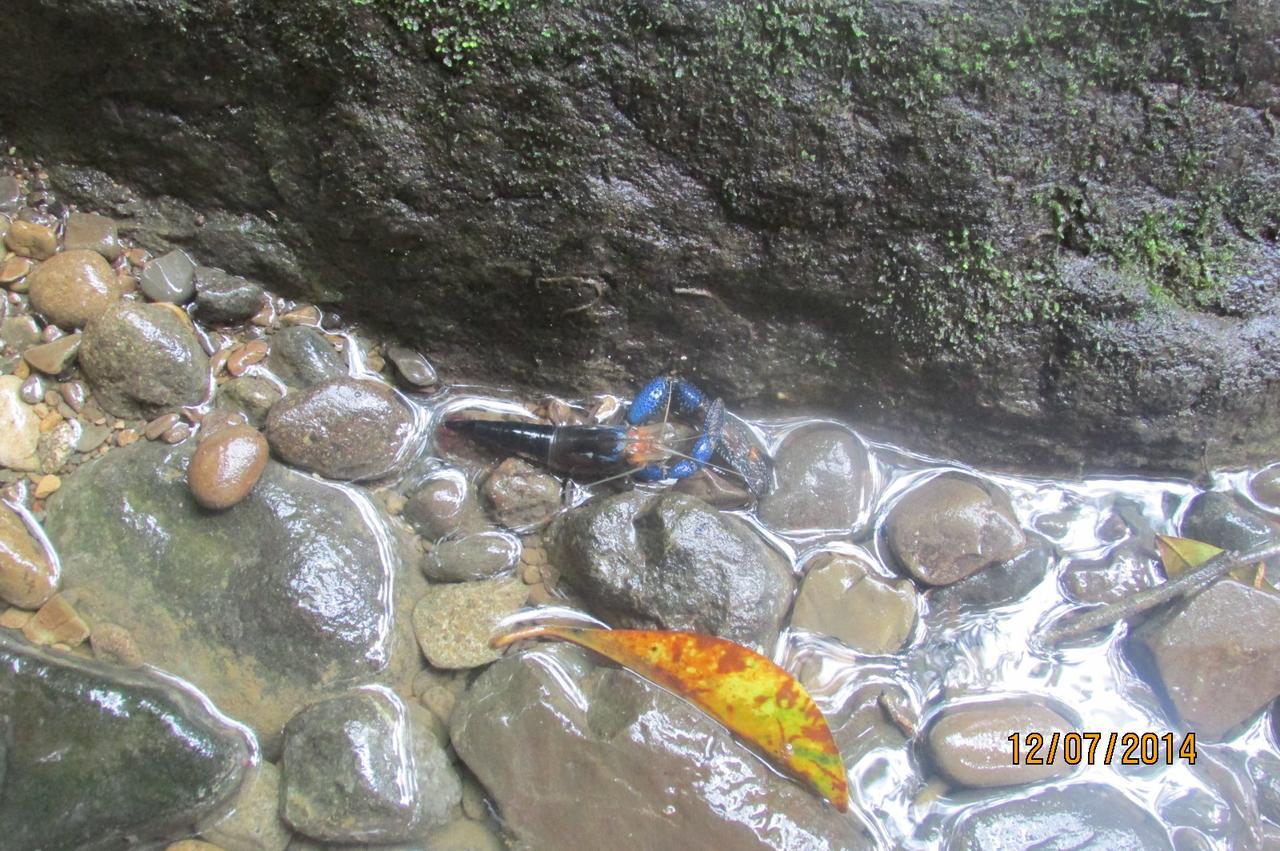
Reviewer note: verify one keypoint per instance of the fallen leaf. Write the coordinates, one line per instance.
(760, 702)
(1179, 555)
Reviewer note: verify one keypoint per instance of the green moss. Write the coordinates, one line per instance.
(455, 28)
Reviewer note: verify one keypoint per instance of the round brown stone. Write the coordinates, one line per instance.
(226, 466)
(73, 287)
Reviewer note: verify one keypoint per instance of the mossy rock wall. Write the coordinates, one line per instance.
(1037, 233)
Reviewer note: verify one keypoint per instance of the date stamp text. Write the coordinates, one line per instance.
(1102, 748)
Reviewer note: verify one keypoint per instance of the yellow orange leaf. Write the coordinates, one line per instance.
(744, 691)
(1178, 555)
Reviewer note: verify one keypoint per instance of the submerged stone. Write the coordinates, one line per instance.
(27, 579)
(266, 605)
(302, 357)
(143, 358)
(843, 597)
(170, 277)
(626, 761)
(355, 769)
(96, 757)
(1080, 817)
(824, 481)
(224, 298)
(74, 287)
(673, 562)
(969, 742)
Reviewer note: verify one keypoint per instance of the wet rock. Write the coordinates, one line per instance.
(347, 428)
(14, 270)
(1264, 771)
(861, 725)
(113, 643)
(520, 494)
(998, 585)
(949, 528)
(226, 466)
(453, 623)
(225, 299)
(19, 333)
(73, 288)
(355, 770)
(38, 242)
(254, 823)
(27, 579)
(265, 606)
(91, 232)
(170, 277)
(143, 358)
(10, 193)
(56, 622)
(1265, 487)
(99, 758)
(251, 396)
(19, 427)
(465, 835)
(53, 358)
(1222, 520)
(715, 489)
(32, 390)
(1123, 572)
(672, 562)
(92, 436)
(824, 481)
(413, 367)
(1080, 817)
(303, 358)
(479, 556)
(58, 445)
(843, 597)
(521, 731)
(969, 743)
(444, 504)
(1217, 655)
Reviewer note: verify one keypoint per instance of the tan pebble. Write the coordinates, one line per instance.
(50, 421)
(550, 575)
(127, 436)
(216, 420)
(73, 288)
(225, 467)
(31, 240)
(113, 643)
(15, 269)
(47, 485)
(177, 311)
(473, 801)
(22, 370)
(534, 555)
(540, 595)
(375, 363)
(439, 700)
(127, 283)
(192, 845)
(56, 621)
(530, 574)
(117, 425)
(40, 409)
(245, 356)
(219, 360)
(160, 425)
(51, 398)
(306, 314)
(137, 256)
(338, 342)
(394, 503)
(15, 618)
(176, 434)
(265, 317)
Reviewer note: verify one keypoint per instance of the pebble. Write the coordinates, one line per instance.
(54, 357)
(950, 527)
(92, 436)
(217, 420)
(224, 299)
(38, 242)
(56, 622)
(241, 358)
(169, 278)
(302, 357)
(1265, 486)
(19, 427)
(137, 257)
(520, 494)
(10, 193)
(480, 556)
(19, 332)
(453, 623)
(160, 425)
(176, 433)
(343, 429)
(58, 443)
(824, 481)
(49, 333)
(47, 485)
(15, 269)
(413, 367)
(113, 643)
(74, 394)
(307, 314)
(250, 396)
(127, 436)
(32, 391)
(969, 743)
(73, 288)
(843, 597)
(444, 504)
(27, 579)
(91, 232)
(226, 466)
(254, 823)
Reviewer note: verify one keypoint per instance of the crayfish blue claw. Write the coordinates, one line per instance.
(649, 401)
(650, 473)
(688, 399)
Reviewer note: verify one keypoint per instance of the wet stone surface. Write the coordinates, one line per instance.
(824, 481)
(479, 556)
(303, 358)
(73, 288)
(454, 622)
(223, 298)
(444, 504)
(356, 769)
(92, 232)
(170, 277)
(143, 358)
(95, 756)
(27, 579)
(969, 743)
(673, 562)
(249, 395)
(950, 527)
(521, 732)
(264, 606)
(520, 494)
(345, 428)
(842, 596)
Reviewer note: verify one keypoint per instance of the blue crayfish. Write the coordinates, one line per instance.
(642, 447)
